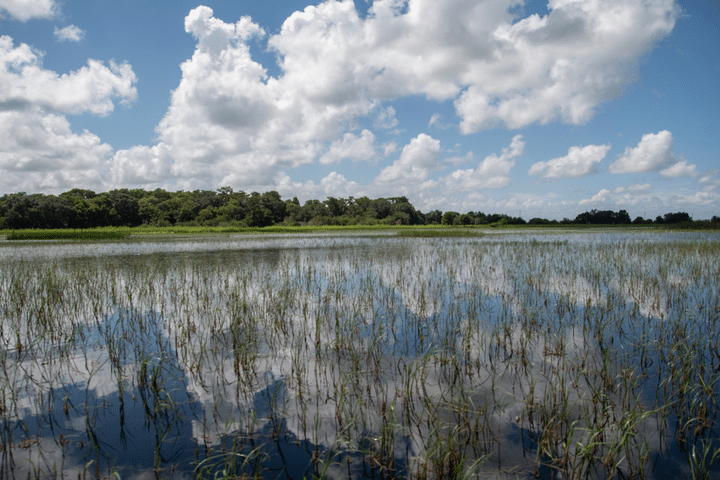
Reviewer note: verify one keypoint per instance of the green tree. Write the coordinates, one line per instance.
(264, 210)
(678, 217)
(149, 212)
(448, 218)
(404, 212)
(380, 208)
(336, 207)
(434, 217)
(124, 209)
(465, 219)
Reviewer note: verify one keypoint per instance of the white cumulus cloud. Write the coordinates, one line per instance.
(70, 33)
(577, 163)
(498, 70)
(492, 172)
(39, 151)
(351, 147)
(680, 169)
(412, 169)
(386, 118)
(561, 65)
(142, 167)
(603, 196)
(26, 9)
(23, 82)
(230, 120)
(336, 185)
(230, 123)
(653, 153)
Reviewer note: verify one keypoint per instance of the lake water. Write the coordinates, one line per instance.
(555, 355)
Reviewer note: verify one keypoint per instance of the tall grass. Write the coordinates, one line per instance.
(99, 234)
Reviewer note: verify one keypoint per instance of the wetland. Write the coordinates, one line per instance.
(561, 355)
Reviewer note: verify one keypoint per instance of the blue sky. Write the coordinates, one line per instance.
(538, 108)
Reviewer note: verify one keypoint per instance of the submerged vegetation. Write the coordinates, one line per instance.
(545, 356)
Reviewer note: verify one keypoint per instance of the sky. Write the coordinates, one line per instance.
(537, 109)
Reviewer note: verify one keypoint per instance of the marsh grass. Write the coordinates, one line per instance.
(100, 234)
(580, 357)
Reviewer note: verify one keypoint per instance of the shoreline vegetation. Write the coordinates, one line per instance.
(225, 210)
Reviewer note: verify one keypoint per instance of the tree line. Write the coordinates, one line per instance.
(79, 208)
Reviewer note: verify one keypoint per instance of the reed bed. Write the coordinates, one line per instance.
(67, 234)
(557, 356)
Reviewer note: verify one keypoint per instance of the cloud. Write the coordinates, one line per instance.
(710, 182)
(705, 198)
(577, 163)
(492, 172)
(24, 82)
(213, 34)
(652, 154)
(70, 33)
(287, 188)
(632, 195)
(603, 196)
(637, 187)
(435, 120)
(497, 70)
(39, 151)
(386, 118)
(230, 120)
(417, 160)
(142, 167)
(230, 123)
(680, 169)
(560, 66)
(26, 9)
(336, 185)
(526, 205)
(389, 148)
(351, 148)
(332, 185)
(469, 157)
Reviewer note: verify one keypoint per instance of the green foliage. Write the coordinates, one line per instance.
(603, 217)
(66, 235)
(448, 218)
(679, 217)
(84, 209)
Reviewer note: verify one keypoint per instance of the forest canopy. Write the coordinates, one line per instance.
(79, 208)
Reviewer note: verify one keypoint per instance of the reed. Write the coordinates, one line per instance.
(101, 234)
